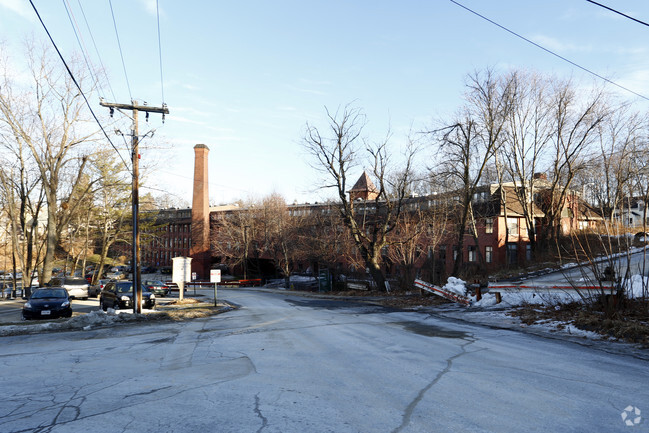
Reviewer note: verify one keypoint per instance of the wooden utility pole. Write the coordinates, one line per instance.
(135, 155)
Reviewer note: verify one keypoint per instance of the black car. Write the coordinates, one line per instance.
(119, 294)
(47, 303)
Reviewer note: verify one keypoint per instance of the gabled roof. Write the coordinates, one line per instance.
(363, 184)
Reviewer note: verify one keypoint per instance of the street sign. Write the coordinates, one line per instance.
(215, 276)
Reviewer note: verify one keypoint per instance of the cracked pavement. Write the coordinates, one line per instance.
(287, 364)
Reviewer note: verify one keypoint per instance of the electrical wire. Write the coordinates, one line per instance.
(74, 80)
(82, 46)
(552, 52)
(618, 12)
(110, 2)
(157, 10)
(103, 68)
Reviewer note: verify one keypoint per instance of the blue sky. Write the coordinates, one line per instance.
(244, 77)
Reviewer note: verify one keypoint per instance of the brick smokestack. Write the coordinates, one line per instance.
(200, 248)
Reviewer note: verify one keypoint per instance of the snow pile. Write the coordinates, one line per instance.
(522, 298)
(456, 286)
(84, 321)
(302, 278)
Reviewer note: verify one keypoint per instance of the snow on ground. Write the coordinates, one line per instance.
(637, 286)
(84, 321)
(488, 312)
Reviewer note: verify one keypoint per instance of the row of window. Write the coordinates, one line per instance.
(472, 253)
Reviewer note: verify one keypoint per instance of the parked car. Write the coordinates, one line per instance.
(95, 291)
(119, 294)
(77, 287)
(7, 290)
(166, 270)
(157, 287)
(47, 303)
(117, 272)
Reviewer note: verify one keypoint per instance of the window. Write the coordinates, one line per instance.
(442, 253)
(528, 252)
(455, 252)
(472, 253)
(512, 226)
(489, 225)
(488, 254)
(512, 253)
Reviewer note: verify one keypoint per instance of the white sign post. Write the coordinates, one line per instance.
(215, 277)
(182, 271)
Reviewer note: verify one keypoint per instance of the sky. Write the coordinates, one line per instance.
(245, 77)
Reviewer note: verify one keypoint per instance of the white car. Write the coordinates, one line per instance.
(77, 287)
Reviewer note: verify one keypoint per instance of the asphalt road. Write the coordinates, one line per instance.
(283, 363)
(636, 263)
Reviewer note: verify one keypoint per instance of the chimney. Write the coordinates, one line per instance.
(200, 243)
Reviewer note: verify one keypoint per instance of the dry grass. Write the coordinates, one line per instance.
(630, 324)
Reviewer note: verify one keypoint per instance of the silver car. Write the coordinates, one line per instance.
(77, 287)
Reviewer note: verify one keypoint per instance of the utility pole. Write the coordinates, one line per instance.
(135, 196)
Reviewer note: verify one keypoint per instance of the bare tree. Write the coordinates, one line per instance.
(336, 155)
(468, 144)
(47, 118)
(575, 120)
(324, 241)
(235, 237)
(280, 234)
(528, 138)
(111, 204)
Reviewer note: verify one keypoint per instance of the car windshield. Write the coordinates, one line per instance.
(49, 293)
(127, 288)
(155, 283)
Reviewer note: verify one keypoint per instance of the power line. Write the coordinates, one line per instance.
(82, 46)
(618, 12)
(551, 52)
(157, 10)
(74, 80)
(110, 2)
(103, 68)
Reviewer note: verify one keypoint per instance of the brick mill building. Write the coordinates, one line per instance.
(498, 237)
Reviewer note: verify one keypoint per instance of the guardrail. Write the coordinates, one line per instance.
(254, 282)
(439, 291)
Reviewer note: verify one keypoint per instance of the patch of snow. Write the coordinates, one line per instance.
(637, 286)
